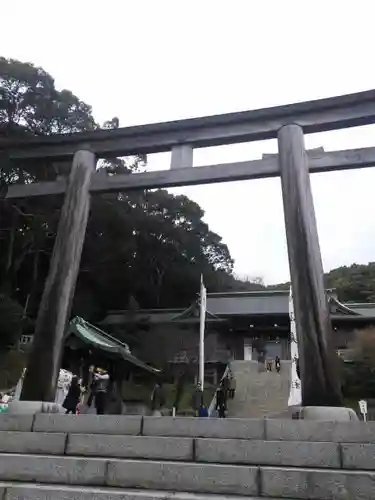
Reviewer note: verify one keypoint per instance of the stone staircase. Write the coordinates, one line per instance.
(259, 393)
(82, 457)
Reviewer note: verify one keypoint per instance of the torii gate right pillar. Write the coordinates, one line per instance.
(318, 364)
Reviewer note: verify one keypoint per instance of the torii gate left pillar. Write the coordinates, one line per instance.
(54, 310)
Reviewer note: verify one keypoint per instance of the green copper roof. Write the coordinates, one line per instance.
(92, 335)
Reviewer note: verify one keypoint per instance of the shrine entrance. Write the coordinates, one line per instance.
(320, 382)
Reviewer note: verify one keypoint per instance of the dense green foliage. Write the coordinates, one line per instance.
(355, 283)
(358, 376)
(150, 245)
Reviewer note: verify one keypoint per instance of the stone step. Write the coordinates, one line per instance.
(276, 453)
(234, 428)
(317, 484)
(230, 428)
(221, 451)
(90, 424)
(32, 491)
(291, 482)
(162, 475)
(207, 450)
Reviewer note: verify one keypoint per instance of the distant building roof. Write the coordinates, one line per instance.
(224, 305)
(364, 309)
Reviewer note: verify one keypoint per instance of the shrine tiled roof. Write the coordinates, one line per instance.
(221, 306)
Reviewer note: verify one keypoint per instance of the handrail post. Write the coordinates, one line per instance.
(54, 310)
(319, 373)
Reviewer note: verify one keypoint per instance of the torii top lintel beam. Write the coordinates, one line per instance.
(313, 116)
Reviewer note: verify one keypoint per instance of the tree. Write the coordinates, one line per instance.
(363, 348)
(359, 373)
(147, 245)
(355, 283)
(150, 245)
(31, 105)
(12, 319)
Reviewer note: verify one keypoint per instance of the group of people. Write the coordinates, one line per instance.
(97, 392)
(225, 391)
(98, 389)
(270, 363)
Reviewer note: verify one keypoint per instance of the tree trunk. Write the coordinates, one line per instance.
(44, 362)
(319, 374)
(6, 285)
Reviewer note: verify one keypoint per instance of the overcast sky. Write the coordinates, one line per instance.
(148, 61)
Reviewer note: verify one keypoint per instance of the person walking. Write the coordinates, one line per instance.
(225, 383)
(73, 397)
(221, 405)
(101, 378)
(92, 393)
(232, 386)
(157, 399)
(277, 364)
(297, 367)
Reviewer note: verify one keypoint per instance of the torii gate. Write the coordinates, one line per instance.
(320, 383)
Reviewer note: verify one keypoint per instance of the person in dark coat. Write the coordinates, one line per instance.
(101, 377)
(221, 401)
(72, 398)
(197, 399)
(92, 393)
(277, 364)
(158, 397)
(298, 368)
(225, 383)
